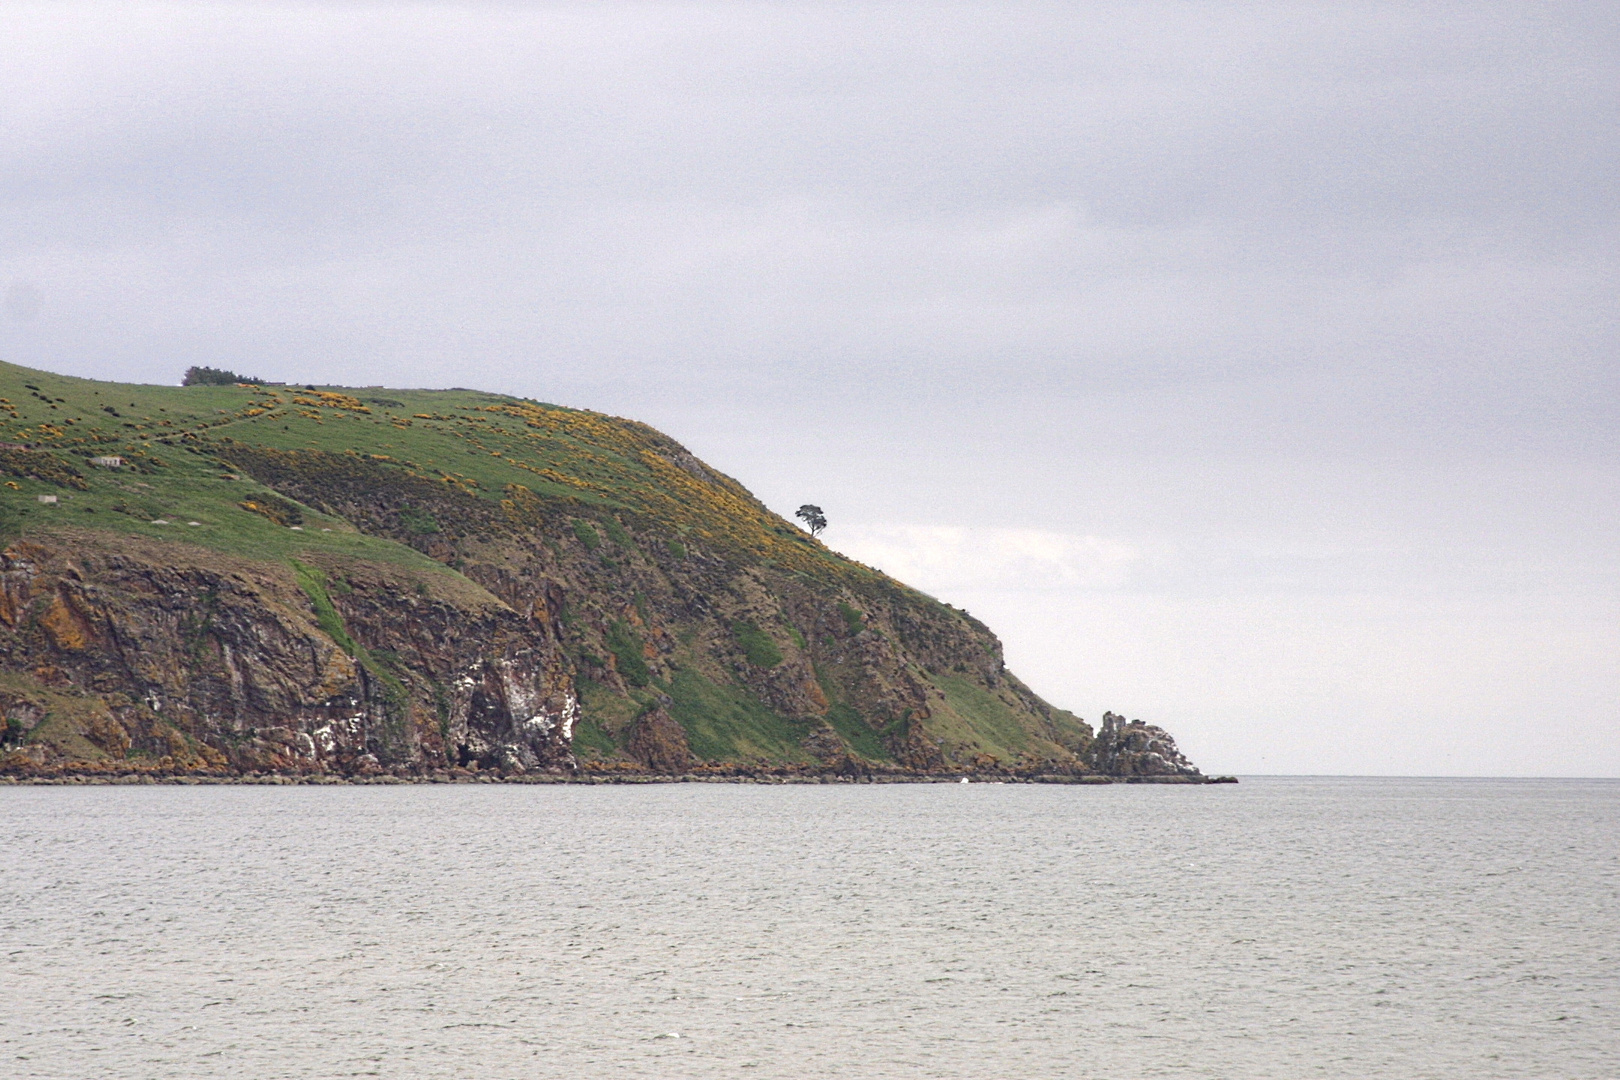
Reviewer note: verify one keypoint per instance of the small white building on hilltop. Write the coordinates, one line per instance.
(111, 461)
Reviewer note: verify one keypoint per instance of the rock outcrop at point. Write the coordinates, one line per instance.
(1132, 748)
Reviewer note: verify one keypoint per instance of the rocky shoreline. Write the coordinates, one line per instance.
(1124, 752)
(461, 777)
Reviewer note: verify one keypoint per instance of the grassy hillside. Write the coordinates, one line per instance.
(469, 441)
(697, 625)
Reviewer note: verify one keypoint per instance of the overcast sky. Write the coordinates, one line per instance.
(1251, 369)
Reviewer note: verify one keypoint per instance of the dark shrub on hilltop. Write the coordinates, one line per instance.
(207, 376)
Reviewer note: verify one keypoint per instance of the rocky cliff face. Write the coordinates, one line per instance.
(680, 638)
(310, 581)
(173, 657)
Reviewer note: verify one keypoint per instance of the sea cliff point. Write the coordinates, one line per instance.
(235, 579)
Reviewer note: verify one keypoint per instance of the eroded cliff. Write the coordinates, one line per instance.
(120, 650)
(409, 582)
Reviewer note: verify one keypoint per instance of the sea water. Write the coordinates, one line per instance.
(1277, 928)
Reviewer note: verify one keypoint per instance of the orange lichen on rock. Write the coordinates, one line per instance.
(67, 627)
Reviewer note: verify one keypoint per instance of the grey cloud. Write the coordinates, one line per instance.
(1200, 278)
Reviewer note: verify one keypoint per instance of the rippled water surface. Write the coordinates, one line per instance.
(1279, 928)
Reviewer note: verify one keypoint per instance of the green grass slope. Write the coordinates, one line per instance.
(468, 440)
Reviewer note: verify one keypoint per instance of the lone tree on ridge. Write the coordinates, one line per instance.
(812, 517)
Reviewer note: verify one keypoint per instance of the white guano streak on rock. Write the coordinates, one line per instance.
(570, 714)
(527, 708)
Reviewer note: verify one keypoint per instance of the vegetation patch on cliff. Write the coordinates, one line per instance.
(853, 728)
(627, 653)
(314, 583)
(757, 645)
(977, 716)
(727, 723)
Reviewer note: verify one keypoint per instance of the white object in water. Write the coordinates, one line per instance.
(965, 780)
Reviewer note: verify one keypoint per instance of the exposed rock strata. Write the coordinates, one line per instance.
(658, 742)
(171, 658)
(181, 658)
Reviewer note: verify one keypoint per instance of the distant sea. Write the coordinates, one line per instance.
(1277, 928)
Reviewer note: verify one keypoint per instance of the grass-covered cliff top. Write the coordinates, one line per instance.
(485, 445)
